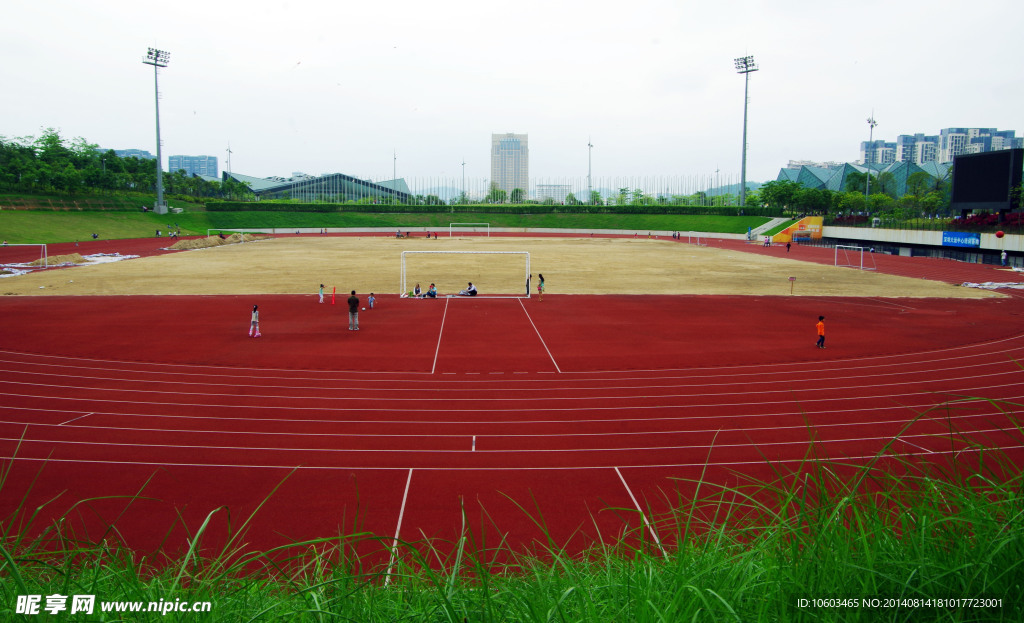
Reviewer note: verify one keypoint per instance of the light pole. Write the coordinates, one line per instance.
(158, 59)
(462, 199)
(745, 65)
(590, 186)
(871, 137)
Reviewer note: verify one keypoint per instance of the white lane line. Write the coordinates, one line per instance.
(520, 468)
(602, 398)
(440, 334)
(643, 516)
(537, 434)
(539, 336)
(522, 450)
(398, 530)
(75, 418)
(685, 381)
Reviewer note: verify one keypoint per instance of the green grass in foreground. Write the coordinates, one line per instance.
(896, 528)
(21, 226)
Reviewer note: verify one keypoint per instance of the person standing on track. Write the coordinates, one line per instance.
(821, 332)
(353, 312)
(254, 324)
(540, 285)
(321, 293)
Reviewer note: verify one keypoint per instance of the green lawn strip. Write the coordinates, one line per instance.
(39, 226)
(779, 228)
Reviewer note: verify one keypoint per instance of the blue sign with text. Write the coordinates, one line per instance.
(961, 239)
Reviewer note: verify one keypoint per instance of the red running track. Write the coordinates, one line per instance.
(584, 410)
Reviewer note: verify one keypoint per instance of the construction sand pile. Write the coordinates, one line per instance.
(57, 260)
(214, 241)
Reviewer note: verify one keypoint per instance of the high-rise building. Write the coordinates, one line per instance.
(193, 165)
(942, 148)
(877, 152)
(917, 148)
(142, 154)
(510, 162)
(956, 141)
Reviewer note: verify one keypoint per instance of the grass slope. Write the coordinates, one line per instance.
(21, 226)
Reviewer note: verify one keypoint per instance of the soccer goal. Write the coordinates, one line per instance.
(466, 228)
(24, 255)
(695, 238)
(503, 274)
(854, 257)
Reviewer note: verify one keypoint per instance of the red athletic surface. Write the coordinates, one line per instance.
(582, 407)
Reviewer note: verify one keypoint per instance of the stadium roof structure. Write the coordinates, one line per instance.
(834, 178)
(329, 188)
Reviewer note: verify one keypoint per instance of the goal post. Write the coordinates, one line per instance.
(24, 255)
(852, 256)
(496, 274)
(469, 228)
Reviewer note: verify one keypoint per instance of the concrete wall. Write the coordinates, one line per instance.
(989, 242)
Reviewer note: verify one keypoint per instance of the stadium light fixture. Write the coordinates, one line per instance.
(871, 138)
(745, 65)
(158, 58)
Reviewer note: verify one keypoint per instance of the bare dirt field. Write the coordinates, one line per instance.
(298, 265)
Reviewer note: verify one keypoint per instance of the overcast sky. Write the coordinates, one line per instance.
(340, 86)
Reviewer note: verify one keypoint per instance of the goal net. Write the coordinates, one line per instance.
(494, 273)
(24, 255)
(695, 238)
(854, 257)
(469, 229)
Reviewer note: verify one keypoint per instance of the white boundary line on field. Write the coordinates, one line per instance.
(643, 516)
(540, 337)
(440, 334)
(398, 530)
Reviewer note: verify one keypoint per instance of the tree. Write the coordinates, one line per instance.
(571, 200)
(880, 202)
(595, 198)
(856, 182)
(779, 193)
(918, 183)
(496, 195)
(850, 202)
(887, 184)
(517, 195)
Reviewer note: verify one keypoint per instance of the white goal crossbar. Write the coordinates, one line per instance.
(488, 290)
(854, 257)
(472, 226)
(43, 257)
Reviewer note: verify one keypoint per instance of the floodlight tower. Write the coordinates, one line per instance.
(871, 137)
(590, 186)
(158, 58)
(462, 199)
(745, 65)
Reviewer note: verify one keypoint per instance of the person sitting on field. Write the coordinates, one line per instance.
(416, 291)
(431, 292)
(469, 291)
